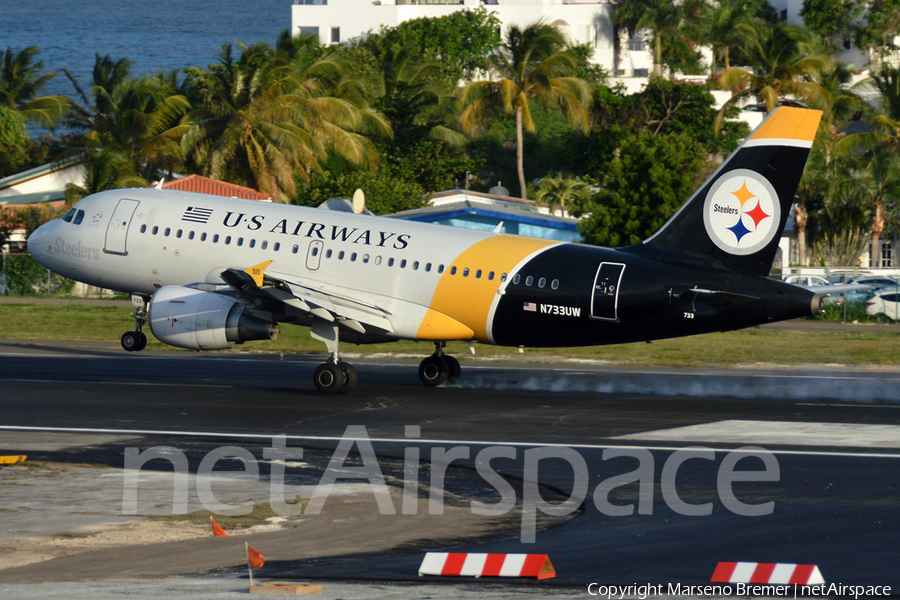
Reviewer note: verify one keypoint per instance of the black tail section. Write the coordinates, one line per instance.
(737, 216)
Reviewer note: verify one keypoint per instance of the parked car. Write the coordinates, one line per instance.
(885, 301)
(839, 277)
(806, 280)
(877, 281)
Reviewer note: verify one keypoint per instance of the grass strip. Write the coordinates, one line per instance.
(856, 346)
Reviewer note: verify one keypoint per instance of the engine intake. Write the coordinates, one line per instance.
(198, 320)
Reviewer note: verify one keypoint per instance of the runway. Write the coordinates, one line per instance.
(835, 437)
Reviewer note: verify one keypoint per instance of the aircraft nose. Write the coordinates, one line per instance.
(39, 245)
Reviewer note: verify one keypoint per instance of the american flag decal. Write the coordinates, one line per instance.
(196, 214)
(530, 307)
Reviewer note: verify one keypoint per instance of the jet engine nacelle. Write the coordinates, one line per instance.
(198, 320)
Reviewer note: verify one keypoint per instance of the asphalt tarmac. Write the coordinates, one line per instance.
(834, 437)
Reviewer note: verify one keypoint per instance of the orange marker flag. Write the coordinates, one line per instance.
(216, 530)
(255, 558)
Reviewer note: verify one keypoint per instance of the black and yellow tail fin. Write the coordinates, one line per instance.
(737, 216)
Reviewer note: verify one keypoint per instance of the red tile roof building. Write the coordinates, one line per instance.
(205, 185)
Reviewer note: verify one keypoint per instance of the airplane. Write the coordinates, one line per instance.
(207, 272)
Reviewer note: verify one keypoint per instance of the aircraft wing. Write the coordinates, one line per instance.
(308, 297)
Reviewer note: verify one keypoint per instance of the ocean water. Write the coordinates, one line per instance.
(158, 35)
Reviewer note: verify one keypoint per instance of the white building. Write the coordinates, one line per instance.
(337, 21)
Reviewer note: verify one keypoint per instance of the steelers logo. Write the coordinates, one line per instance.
(742, 212)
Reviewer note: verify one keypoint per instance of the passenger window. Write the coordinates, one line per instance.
(453, 270)
(252, 243)
(353, 257)
(365, 258)
(315, 250)
(390, 262)
(69, 215)
(264, 245)
(178, 234)
(155, 230)
(554, 284)
(203, 237)
(240, 241)
(216, 238)
(478, 274)
(491, 276)
(277, 246)
(427, 267)
(377, 260)
(341, 255)
(517, 279)
(191, 235)
(227, 240)
(415, 265)
(403, 264)
(79, 217)
(328, 253)
(440, 268)
(296, 248)
(503, 277)
(168, 231)
(143, 228)
(466, 272)
(529, 280)
(542, 282)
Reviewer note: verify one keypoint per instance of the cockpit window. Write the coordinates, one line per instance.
(68, 216)
(79, 217)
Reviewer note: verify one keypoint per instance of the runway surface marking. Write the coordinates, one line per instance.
(415, 441)
(779, 432)
(136, 383)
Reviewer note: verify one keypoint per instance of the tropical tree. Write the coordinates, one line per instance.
(139, 121)
(532, 64)
(664, 19)
(877, 184)
(729, 27)
(786, 68)
(560, 192)
(276, 115)
(21, 82)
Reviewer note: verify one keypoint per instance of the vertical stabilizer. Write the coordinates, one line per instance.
(737, 216)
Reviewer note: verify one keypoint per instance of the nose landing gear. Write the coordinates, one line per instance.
(135, 341)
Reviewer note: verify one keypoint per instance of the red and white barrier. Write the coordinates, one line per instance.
(767, 573)
(450, 564)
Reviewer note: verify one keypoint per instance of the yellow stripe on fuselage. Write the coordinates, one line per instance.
(468, 299)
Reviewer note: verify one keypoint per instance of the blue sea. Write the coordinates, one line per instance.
(158, 35)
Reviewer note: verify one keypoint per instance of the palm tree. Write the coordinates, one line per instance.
(786, 68)
(562, 193)
(272, 116)
(876, 185)
(408, 92)
(21, 82)
(140, 121)
(656, 16)
(531, 64)
(729, 27)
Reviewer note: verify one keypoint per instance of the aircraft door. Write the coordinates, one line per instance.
(117, 230)
(314, 255)
(605, 295)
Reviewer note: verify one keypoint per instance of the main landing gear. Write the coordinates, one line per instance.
(439, 368)
(333, 376)
(135, 341)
